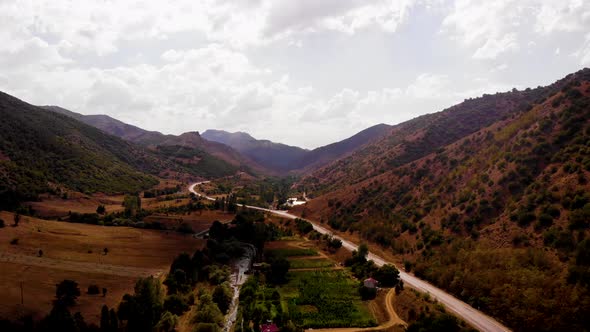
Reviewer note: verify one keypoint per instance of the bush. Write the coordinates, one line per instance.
(367, 293)
(185, 228)
(176, 304)
(2, 223)
(222, 296)
(303, 226)
(167, 322)
(206, 327)
(14, 241)
(66, 292)
(387, 275)
(93, 290)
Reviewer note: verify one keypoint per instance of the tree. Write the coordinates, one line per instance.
(40, 253)
(132, 204)
(363, 251)
(67, 292)
(105, 251)
(104, 292)
(93, 290)
(105, 319)
(278, 270)
(367, 293)
(2, 223)
(16, 219)
(387, 275)
(206, 327)
(442, 322)
(217, 230)
(114, 321)
(222, 296)
(143, 309)
(101, 209)
(60, 319)
(207, 311)
(176, 304)
(167, 323)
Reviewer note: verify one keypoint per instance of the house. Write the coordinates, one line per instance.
(293, 201)
(269, 327)
(370, 283)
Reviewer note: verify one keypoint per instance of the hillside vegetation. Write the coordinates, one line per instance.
(212, 153)
(489, 199)
(44, 151)
(282, 158)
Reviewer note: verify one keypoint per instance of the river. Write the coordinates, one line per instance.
(237, 279)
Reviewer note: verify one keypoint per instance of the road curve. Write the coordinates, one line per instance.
(472, 316)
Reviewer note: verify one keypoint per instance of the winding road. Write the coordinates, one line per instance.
(472, 316)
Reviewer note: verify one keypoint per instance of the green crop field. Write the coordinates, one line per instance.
(293, 252)
(317, 299)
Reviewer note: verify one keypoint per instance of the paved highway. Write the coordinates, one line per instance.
(471, 315)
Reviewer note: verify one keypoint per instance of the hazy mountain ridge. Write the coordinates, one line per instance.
(276, 156)
(284, 158)
(501, 212)
(154, 140)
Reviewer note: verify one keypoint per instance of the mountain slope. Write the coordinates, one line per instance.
(500, 217)
(276, 156)
(284, 158)
(43, 151)
(218, 154)
(323, 155)
(419, 137)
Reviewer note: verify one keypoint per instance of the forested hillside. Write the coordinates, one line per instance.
(44, 151)
(489, 200)
(414, 139)
(222, 155)
(284, 158)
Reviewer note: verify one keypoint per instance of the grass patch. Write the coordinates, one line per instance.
(310, 263)
(293, 252)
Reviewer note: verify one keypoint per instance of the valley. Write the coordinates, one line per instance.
(482, 210)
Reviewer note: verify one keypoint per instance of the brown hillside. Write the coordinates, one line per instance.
(498, 216)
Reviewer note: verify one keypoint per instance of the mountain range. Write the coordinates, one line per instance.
(489, 199)
(284, 158)
(480, 199)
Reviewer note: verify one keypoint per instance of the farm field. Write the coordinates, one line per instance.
(318, 293)
(51, 206)
(325, 298)
(311, 263)
(76, 252)
(199, 220)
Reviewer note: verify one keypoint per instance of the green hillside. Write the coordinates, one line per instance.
(43, 151)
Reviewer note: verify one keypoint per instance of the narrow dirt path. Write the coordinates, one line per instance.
(393, 319)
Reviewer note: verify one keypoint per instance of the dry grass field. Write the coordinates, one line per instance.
(199, 220)
(51, 206)
(75, 251)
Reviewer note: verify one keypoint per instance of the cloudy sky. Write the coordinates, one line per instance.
(302, 72)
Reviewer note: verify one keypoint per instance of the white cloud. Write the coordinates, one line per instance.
(494, 47)
(494, 28)
(584, 52)
(304, 72)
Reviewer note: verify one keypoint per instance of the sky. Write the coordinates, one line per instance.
(301, 72)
